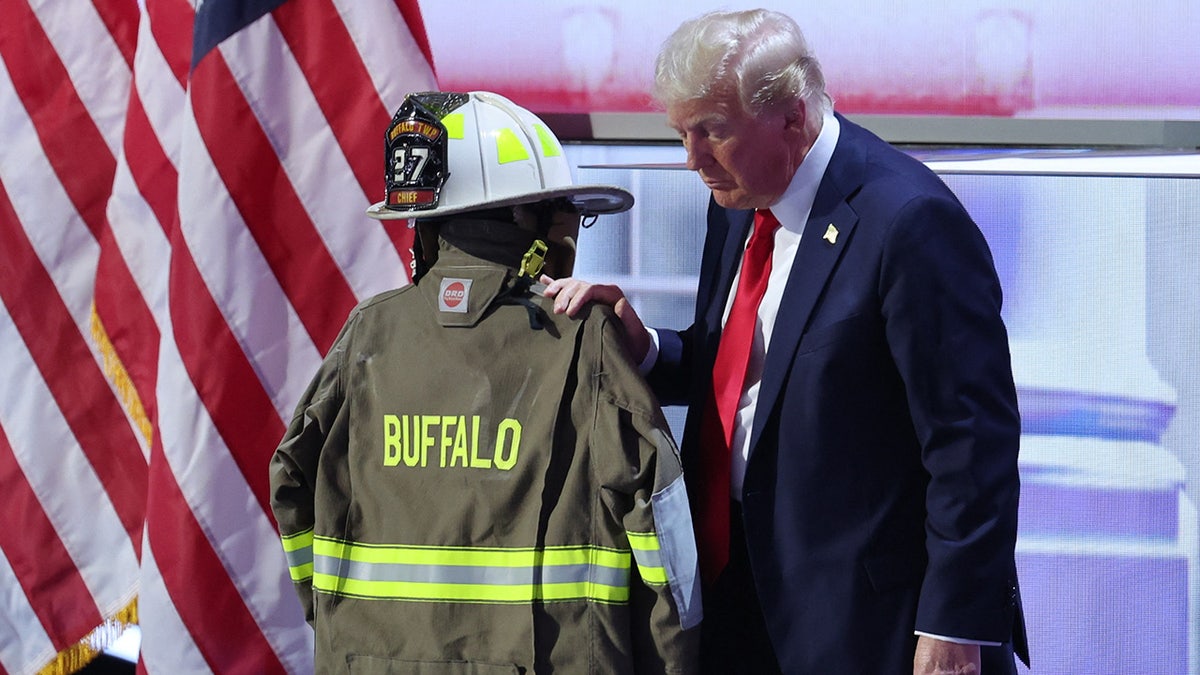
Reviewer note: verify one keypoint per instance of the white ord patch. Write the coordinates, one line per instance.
(454, 294)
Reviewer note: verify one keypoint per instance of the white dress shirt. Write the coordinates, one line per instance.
(792, 211)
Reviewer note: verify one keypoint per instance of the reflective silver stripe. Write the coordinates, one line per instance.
(648, 558)
(470, 574)
(298, 549)
(300, 563)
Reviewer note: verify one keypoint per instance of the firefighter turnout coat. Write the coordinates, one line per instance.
(462, 492)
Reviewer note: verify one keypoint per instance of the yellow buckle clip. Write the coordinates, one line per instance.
(534, 259)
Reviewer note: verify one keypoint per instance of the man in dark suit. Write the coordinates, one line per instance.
(852, 434)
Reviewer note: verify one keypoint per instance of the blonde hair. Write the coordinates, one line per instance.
(758, 56)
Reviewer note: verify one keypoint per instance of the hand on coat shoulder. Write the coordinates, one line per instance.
(571, 294)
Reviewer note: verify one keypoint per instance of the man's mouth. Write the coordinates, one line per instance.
(717, 183)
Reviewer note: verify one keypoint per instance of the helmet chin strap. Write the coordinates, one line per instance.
(533, 261)
(527, 275)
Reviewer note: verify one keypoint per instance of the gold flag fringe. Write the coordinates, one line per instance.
(79, 655)
(75, 657)
(119, 377)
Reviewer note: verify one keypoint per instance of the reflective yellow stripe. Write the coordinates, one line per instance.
(301, 572)
(649, 559)
(643, 541)
(550, 147)
(454, 123)
(297, 541)
(471, 556)
(509, 147)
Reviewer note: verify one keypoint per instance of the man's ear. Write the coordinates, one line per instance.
(795, 118)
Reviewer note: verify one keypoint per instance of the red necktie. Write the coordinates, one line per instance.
(729, 377)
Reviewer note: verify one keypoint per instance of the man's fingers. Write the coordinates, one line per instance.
(570, 294)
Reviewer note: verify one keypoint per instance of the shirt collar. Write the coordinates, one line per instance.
(793, 207)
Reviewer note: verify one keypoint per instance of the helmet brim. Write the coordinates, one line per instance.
(589, 199)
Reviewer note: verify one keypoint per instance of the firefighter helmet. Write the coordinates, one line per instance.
(449, 153)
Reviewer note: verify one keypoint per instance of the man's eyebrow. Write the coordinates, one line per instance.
(707, 119)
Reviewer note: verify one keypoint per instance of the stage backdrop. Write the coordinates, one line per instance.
(1054, 59)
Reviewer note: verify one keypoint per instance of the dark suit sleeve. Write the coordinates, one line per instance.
(670, 378)
(940, 299)
(682, 356)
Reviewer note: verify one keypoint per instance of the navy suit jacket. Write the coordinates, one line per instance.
(881, 488)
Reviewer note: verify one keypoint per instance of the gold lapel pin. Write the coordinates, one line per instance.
(831, 234)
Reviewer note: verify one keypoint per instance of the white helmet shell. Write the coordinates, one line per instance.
(454, 153)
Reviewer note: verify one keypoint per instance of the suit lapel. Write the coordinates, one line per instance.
(816, 258)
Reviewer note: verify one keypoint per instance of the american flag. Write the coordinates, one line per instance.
(182, 188)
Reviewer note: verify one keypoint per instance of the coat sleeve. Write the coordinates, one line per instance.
(683, 364)
(294, 468)
(941, 302)
(665, 603)
(671, 376)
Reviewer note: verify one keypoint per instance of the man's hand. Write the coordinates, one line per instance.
(570, 295)
(939, 657)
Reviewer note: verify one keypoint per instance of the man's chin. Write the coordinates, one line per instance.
(731, 199)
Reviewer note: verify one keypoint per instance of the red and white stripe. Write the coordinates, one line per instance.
(72, 468)
(177, 251)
